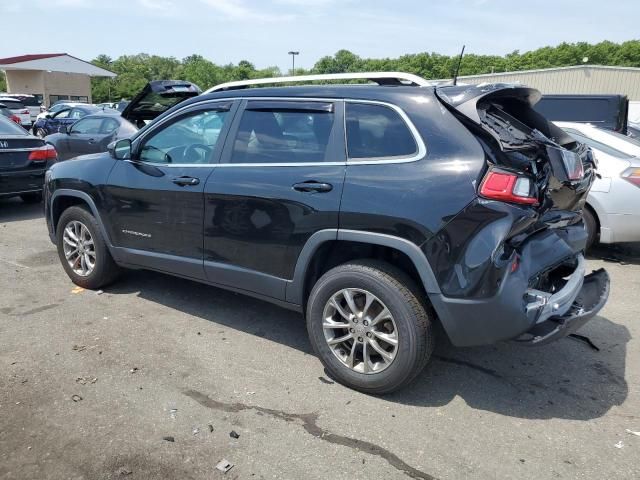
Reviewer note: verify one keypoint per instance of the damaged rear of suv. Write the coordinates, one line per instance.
(522, 275)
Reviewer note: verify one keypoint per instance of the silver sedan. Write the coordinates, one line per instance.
(612, 213)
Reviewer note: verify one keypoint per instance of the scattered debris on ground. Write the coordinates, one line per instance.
(234, 434)
(324, 380)
(631, 432)
(169, 439)
(210, 428)
(224, 465)
(76, 398)
(85, 380)
(620, 444)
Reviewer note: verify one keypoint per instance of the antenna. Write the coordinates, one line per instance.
(455, 77)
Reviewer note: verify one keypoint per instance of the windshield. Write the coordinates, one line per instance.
(597, 145)
(620, 136)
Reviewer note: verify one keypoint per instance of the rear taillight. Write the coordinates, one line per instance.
(44, 153)
(507, 187)
(632, 175)
(573, 165)
(25, 111)
(16, 119)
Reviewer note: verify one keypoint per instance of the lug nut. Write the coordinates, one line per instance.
(352, 330)
(369, 334)
(365, 323)
(355, 320)
(359, 339)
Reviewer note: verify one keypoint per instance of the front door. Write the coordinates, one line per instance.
(155, 200)
(279, 181)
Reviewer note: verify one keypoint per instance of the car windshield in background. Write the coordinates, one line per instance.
(154, 102)
(635, 141)
(603, 147)
(13, 104)
(9, 127)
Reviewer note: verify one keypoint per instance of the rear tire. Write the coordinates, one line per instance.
(91, 265)
(591, 226)
(31, 197)
(408, 325)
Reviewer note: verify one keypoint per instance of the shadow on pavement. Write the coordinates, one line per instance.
(620, 253)
(14, 209)
(566, 379)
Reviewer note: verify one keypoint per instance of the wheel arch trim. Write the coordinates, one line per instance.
(295, 287)
(67, 192)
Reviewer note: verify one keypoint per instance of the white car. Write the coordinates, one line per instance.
(57, 107)
(19, 109)
(612, 213)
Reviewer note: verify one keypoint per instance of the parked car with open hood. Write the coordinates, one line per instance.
(62, 119)
(91, 134)
(24, 159)
(377, 210)
(612, 211)
(156, 98)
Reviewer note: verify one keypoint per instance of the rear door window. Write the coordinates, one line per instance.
(377, 132)
(86, 126)
(13, 104)
(284, 132)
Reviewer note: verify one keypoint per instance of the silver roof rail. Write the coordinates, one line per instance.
(381, 78)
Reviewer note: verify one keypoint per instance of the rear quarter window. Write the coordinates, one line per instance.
(13, 104)
(377, 132)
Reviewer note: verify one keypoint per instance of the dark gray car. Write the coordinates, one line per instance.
(91, 134)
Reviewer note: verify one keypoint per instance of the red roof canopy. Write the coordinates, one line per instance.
(28, 58)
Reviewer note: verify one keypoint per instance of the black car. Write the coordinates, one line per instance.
(23, 162)
(91, 134)
(377, 211)
(59, 121)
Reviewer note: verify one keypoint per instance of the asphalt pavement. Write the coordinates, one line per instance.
(162, 378)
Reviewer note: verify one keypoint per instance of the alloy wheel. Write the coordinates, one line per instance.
(79, 248)
(360, 330)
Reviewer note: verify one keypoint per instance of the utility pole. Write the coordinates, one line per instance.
(293, 62)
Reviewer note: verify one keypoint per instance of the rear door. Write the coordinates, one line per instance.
(91, 135)
(279, 181)
(156, 197)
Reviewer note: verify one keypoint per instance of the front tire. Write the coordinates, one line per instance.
(368, 326)
(82, 250)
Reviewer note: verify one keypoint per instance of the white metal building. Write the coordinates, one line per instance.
(585, 79)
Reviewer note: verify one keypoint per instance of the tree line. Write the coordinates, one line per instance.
(134, 71)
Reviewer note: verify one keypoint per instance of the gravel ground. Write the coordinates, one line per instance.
(149, 378)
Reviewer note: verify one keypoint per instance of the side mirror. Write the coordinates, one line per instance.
(48, 115)
(120, 149)
(67, 129)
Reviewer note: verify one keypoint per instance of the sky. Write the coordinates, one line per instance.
(263, 31)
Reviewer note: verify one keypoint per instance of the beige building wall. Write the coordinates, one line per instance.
(585, 80)
(73, 84)
(25, 81)
(49, 83)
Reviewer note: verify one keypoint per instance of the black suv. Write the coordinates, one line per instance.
(375, 210)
